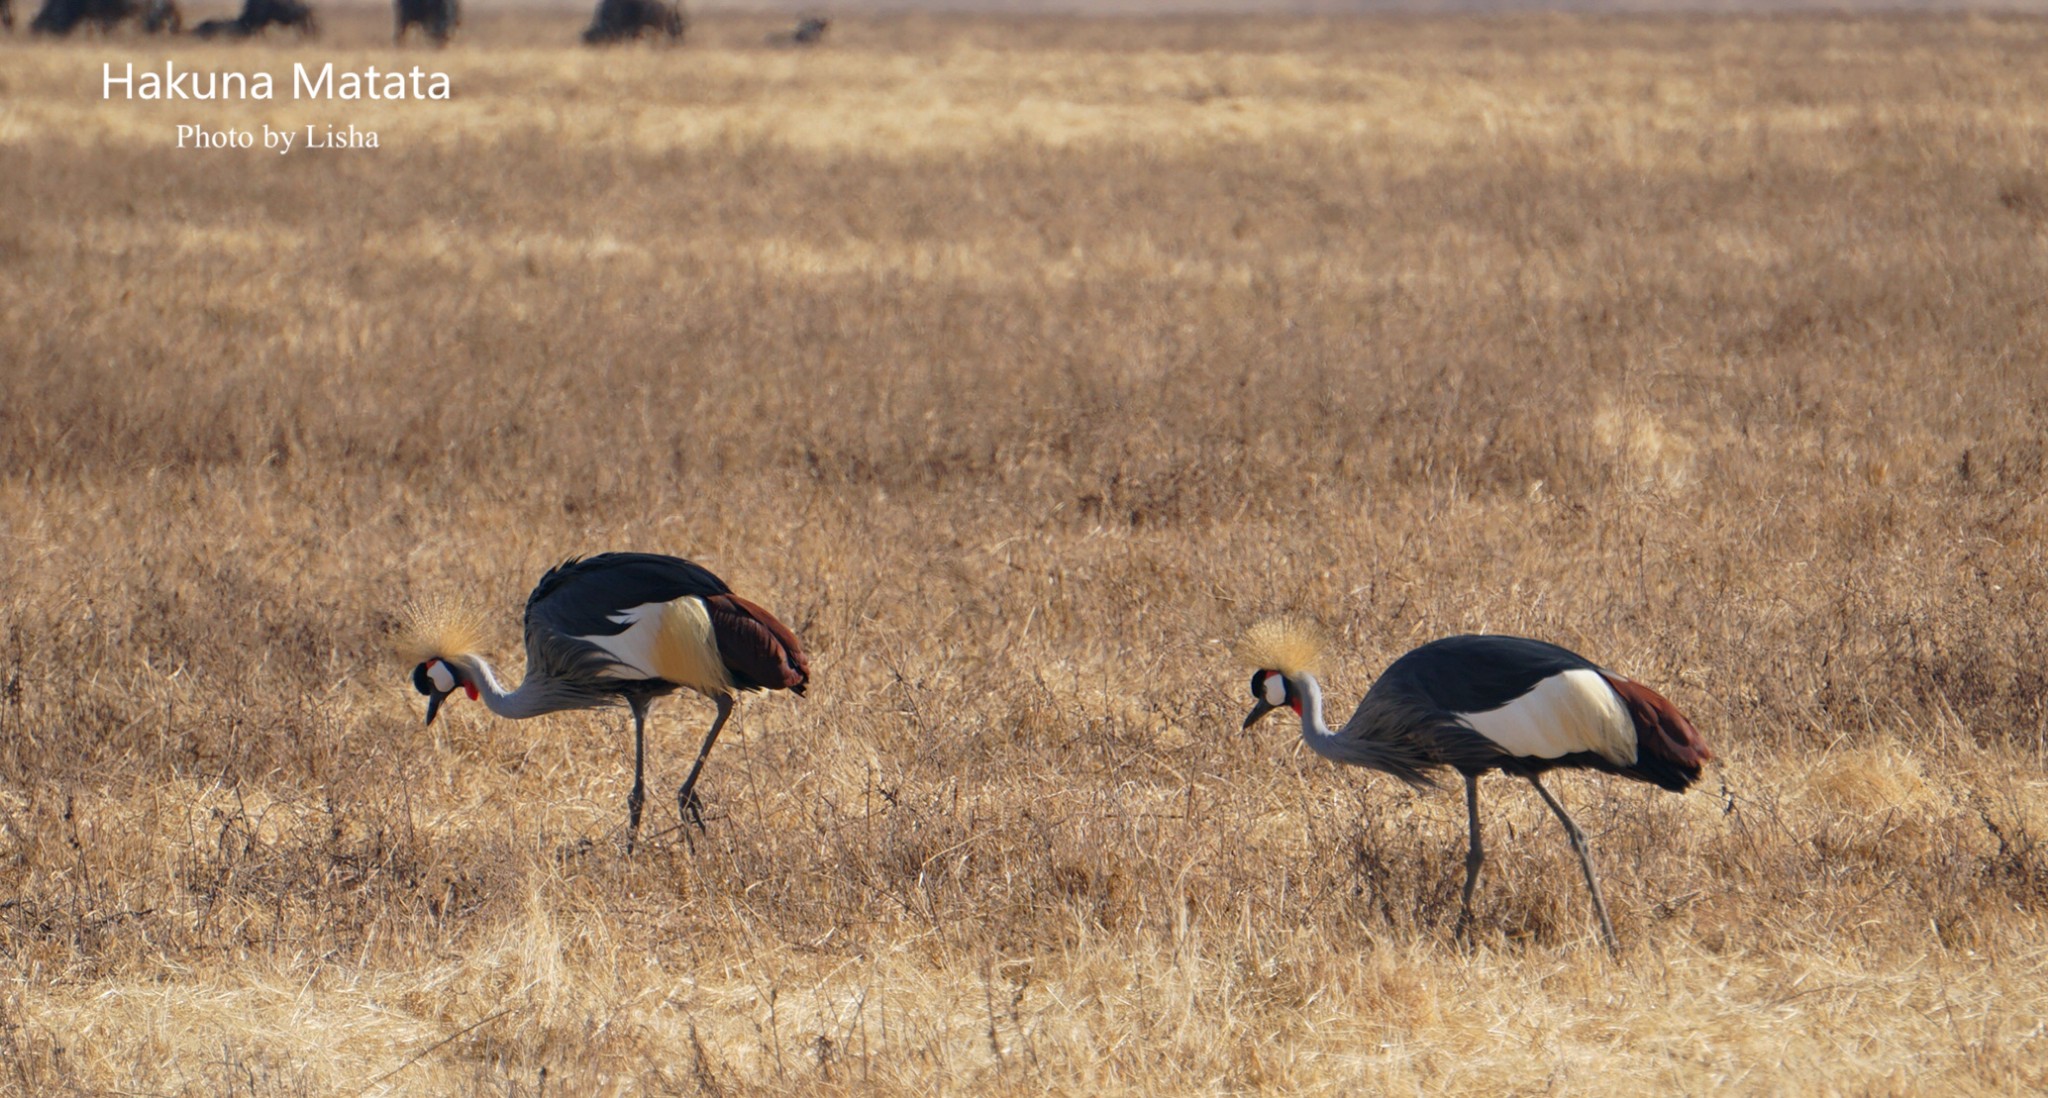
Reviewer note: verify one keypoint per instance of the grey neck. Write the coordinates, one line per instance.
(534, 696)
(1314, 732)
(1366, 739)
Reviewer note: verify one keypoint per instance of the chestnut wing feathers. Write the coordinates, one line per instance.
(1662, 732)
(759, 651)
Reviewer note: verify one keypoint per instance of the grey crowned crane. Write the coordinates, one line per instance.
(628, 627)
(1480, 703)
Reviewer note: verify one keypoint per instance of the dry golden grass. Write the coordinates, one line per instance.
(1020, 365)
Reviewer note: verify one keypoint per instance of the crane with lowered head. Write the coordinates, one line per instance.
(1478, 703)
(618, 627)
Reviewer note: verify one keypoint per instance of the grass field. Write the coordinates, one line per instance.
(1019, 365)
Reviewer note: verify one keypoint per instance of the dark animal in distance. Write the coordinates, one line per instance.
(7, 14)
(628, 627)
(61, 17)
(437, 19)
(621, 20)
(220, 28)
(1480, 703)
(807, 33)
(260, 15)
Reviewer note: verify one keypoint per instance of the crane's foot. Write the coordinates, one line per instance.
(691, 808)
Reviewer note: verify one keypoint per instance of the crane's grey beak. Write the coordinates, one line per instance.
(434, 705)
(1262, 708)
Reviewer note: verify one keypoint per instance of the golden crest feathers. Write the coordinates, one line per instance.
(441, 628)
(1287, 645)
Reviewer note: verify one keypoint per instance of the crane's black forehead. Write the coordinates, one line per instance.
(421, 682)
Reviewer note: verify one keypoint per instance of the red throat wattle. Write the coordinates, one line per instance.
(1294, 704)
(470, 689)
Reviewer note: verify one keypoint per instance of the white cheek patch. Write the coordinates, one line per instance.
(1276, 689)
(438, 672)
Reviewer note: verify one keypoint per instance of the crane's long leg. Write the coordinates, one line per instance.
(638, 796)
(1475, 854)
(686, 801)
(1578, 840)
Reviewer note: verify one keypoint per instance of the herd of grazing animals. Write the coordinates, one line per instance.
(61, 17)
(612, 21)
(632, 627)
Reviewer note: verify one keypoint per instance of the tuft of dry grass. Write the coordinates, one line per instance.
(1020, 365)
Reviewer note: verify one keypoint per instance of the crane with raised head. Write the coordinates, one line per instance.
(1479, 703)
(618, 627)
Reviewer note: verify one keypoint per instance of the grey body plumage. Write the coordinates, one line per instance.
(1398, 725)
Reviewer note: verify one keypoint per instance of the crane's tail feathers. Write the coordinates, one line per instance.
(1287, 645)
(1666, 743)
(437, 629)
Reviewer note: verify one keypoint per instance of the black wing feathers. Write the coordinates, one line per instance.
(579, 597)
(1474, 674)
(1421, 698)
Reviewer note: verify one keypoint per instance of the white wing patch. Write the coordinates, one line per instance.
(1573, 711)
(666, 640)
(633, 648)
